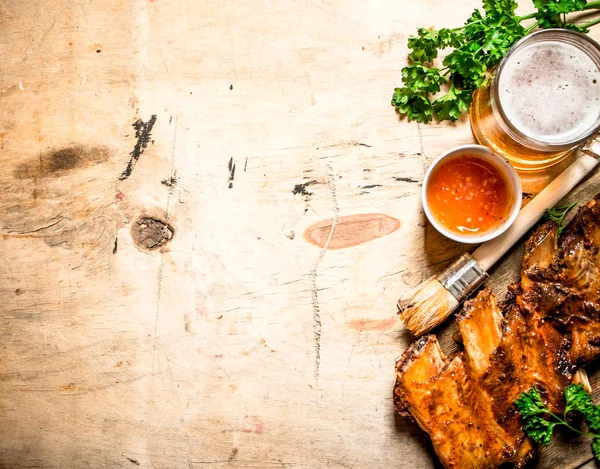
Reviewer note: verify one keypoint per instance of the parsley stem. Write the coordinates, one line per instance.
(563, 421)
(592, 5)
(527, 17)
(593, 435)
(531, 28)
(589, 23)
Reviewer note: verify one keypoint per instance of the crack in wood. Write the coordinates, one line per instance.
(37, 230)
(317, 326)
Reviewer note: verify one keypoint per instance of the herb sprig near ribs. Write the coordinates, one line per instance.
(540, 422)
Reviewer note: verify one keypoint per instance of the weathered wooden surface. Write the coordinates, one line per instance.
(236, 343)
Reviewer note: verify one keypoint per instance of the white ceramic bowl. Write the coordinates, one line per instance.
(503, 166)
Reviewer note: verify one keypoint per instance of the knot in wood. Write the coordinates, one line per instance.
(150, 233)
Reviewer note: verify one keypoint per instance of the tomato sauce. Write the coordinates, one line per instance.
(468, 195)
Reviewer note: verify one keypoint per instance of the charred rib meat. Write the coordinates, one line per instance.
(548, 326)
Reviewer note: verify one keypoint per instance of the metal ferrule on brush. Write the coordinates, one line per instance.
(462, 277)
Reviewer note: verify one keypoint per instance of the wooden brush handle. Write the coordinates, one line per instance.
(488, 253)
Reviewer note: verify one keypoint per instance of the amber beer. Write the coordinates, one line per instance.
(543, 101)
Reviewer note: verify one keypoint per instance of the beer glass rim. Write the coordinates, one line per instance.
(572, 37)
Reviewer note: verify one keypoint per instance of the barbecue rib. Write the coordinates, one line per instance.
(548, 326)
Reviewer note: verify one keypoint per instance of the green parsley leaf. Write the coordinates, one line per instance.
(530, 404)
(569, 6)
(535, 416)
(577, 398)
(552, 13)
(498, 8)
(415, 105)
(424, 46)
(592, 418)
(420, 78)
(558, 214)
(467, 65)
(539, 422)
(478, 46)
(540, 430)
(579, 29)
(452, 105)
(427, 42)
(596, 448)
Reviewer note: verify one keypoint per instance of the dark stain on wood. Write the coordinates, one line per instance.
(18, 292)
(233, 454)
(405, 179)
(231, 169)
(351, 230)
(170, 182)
(142, 133)
(379, 325)
(57, 163)
(66, 197)
(371, 186)
(115, 247)
(150, 233)
(70, 387)
(301, 189)
(133, 461)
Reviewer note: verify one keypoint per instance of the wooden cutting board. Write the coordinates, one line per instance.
(568, 450)
(225, 336)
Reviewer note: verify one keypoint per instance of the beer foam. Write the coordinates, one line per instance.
(550, 91)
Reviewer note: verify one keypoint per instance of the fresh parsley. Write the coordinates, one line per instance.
(540, 422)
(478, 46)
(552, 14)
(558, 214)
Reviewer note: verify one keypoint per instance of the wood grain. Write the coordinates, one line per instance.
(235, 342)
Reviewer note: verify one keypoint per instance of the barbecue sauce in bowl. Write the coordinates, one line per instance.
(469, 195)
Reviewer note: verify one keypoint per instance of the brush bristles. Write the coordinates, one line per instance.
(427, 306)
(581, 377)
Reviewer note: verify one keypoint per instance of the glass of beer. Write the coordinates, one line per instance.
(543, 101)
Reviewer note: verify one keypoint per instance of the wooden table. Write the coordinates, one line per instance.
(165, 165)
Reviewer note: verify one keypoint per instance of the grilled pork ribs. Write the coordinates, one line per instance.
(548, 326)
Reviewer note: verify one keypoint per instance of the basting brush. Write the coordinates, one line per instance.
(431, 302)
